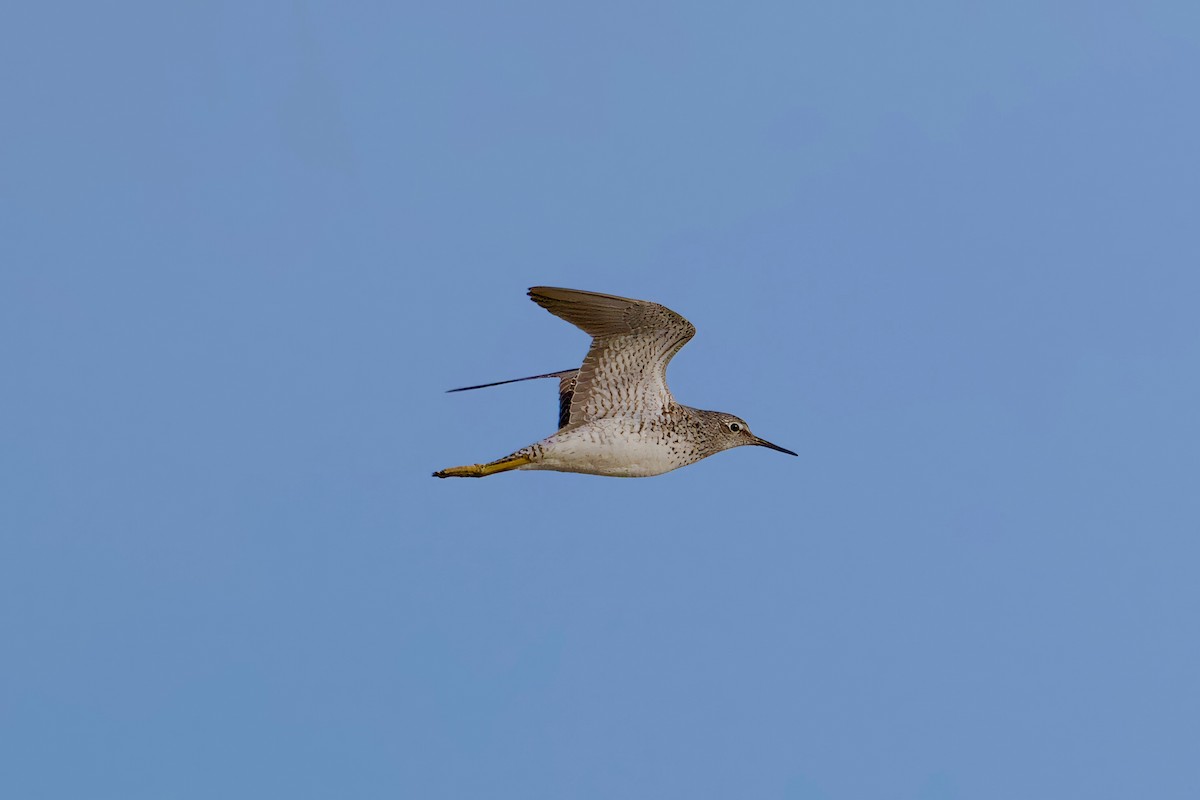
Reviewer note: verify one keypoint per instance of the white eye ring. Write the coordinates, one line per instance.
(735, 427)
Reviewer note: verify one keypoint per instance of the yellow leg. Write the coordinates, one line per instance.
(482, 470)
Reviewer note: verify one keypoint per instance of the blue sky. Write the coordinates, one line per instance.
(947, 252)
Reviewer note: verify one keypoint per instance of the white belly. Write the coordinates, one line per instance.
(610, 447)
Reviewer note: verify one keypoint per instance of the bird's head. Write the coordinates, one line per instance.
(733, 431)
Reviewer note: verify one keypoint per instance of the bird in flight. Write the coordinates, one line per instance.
(616, 415)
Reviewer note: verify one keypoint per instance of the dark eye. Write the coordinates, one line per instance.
(735, 427)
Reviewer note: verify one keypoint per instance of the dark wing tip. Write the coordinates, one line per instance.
(560, 374)
(548, 294)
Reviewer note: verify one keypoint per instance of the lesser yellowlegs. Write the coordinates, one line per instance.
(616, 415)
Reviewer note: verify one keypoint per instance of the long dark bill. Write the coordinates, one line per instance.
(765, 443)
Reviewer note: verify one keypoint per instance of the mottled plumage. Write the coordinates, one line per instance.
(616, 415)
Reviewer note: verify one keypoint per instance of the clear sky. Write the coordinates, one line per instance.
(949, 252)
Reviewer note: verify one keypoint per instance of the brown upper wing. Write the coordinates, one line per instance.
(624, 372)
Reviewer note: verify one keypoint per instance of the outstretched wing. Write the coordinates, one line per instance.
(625, 371)
(566, 387)
(566, 390)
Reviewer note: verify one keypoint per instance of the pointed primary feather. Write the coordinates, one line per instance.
(562, 374)
(566, 388)
(624, 372)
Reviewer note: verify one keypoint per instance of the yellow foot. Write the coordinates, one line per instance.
(482, 470)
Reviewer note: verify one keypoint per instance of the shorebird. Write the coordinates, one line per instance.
(616, 415)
